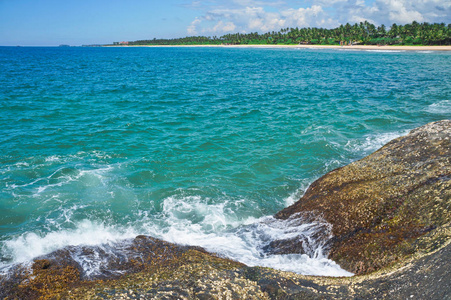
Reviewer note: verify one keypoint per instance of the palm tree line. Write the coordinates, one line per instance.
(363, 33)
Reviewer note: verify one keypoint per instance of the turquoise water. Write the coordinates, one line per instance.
(198, 146)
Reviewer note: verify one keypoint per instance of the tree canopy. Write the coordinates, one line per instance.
(363, 33)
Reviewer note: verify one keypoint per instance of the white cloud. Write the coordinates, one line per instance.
(329, 2)
(251, 19)
(224, 27)
(230, 16)
(246, 3)
(400, 12)
(407, 11)
(308, 17)
(391, 11)
(192, 27)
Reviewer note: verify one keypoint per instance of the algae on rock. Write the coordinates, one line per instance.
(380, 205)
(391, 219)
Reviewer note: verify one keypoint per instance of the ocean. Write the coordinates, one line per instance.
(196, 146)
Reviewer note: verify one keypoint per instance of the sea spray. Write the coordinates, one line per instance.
(94, 247)
(99, 145)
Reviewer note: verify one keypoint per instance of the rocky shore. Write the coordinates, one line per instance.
(388, 205)
(391, 221)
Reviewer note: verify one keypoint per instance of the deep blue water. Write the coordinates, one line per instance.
(197, 146)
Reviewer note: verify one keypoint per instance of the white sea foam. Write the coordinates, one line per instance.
(218, 225)
(52, 158)
(90, 177)
(30, 245)
(219, 231)
(348, 49)
(441, 107)
(298, 193)
(373, 142)
(192, 221)
(290, 200)
(247, 243)
(195, 214)
(385, 51)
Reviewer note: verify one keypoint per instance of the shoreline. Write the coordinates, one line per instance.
(355, 47)
(411, 261)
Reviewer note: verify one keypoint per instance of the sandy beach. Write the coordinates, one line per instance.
(355, 47)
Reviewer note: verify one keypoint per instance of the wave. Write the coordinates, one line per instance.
(370, 50)
(191, 221)
(441, 107)
(31, 245)
(229, 226)
(385, 51)
(371, 143)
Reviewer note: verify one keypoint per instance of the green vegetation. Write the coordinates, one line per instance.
(363, 33)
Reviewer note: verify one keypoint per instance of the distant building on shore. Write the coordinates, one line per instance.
(120, 43)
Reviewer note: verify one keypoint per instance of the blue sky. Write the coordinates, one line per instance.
(77, 22)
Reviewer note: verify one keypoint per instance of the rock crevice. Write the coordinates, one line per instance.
(379, 205)
(389, 213)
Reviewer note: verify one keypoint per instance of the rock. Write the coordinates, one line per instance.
(385, 207)
(71, 266)
(302, 233)
(389, 212)
(195, 274)
(203, 276)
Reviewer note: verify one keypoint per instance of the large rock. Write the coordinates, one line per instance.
(190, 273)
(389, 211)
(54, 274)
(380, 206)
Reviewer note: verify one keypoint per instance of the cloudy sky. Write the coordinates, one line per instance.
(76, 22)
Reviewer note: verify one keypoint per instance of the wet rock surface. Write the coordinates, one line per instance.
(379, 206)
(50, 275)
(305, 233)
(195, 274)
(390, 216)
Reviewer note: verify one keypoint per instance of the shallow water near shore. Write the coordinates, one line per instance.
(198, 146)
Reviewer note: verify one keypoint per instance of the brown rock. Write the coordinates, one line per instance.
(379, 206)
(391, 204)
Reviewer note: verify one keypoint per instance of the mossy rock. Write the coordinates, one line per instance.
(391, 221)
(380, 205)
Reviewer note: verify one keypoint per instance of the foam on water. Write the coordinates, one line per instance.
(385, 51)
(295, 196)
(30, 245)
(214, 224)
(200, 154)
(189, 221)
(61, 177)
(245, 240)
(369, 50)
(371, 143)
(441, 107)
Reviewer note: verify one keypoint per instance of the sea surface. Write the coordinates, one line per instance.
(197, 146)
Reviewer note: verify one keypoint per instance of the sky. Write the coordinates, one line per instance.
(78, 22)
